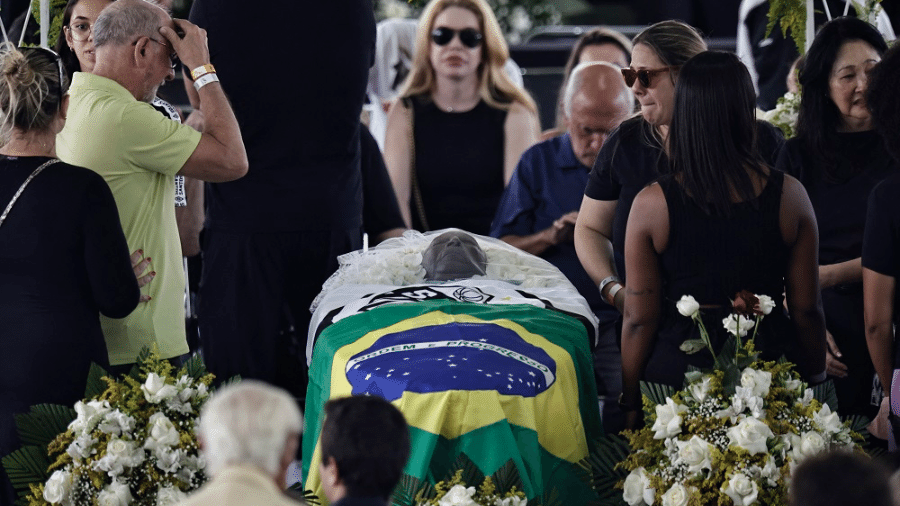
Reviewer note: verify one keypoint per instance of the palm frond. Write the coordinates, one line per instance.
(470, 472)
(826, 394)
(657, 392)
(195, 368)
(25, 466)
(95, 385)
(407, 490)
(601, 464)
(43, 423)
(507, 477)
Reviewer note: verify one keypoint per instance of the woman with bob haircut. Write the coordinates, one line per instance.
(720, 222)
(457, 131)
(839, 158)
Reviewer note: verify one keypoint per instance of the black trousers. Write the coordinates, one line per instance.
(255, 294)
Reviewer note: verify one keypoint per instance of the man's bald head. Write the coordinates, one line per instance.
(596, 101)
(124, 20)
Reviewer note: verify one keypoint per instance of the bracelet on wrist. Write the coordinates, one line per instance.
(202, 70)
(606, 281)
(611, 296)
(206, 79)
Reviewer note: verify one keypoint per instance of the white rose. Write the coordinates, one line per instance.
(668, 419)
(115, 494)
(161, 432)
(806, 445)
(695, 453)
(766, 304)
(167, 459)
(637, 488)
(751, 435)
(511, 501)
(117, 423)
(828, 421)
(738, 325)
(156, 390)
(81, 447)
(700, 389)
(58, 487)
(758, 382)
(88, 415)
(741, 489)
(458, 495)
(792, 385)
(167, 496)
(676, 496)
(688, 306)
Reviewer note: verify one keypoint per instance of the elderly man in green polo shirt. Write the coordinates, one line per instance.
(112, 130)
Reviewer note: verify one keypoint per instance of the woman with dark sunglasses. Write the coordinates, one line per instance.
(63, 256)
(719, 222)
(456, 134)
(637, 153)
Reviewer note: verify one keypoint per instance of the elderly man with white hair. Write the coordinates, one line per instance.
(249, 433)
(538, 209)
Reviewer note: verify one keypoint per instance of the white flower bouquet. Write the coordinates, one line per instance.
(733, 434)
(785, 114)
(455, 492)
(133, 444)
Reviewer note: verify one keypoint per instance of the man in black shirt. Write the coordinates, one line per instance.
(296, 75)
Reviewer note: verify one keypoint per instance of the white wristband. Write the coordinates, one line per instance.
(205, 79)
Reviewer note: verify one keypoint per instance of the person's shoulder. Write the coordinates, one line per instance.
(628, 128)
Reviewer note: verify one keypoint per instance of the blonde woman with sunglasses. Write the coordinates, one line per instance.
(637, 153)
(460, 126)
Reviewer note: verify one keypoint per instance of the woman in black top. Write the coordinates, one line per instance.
(636, 153)
(455, 136)
(839, 158)
(63, 256)
(881, 243)
(721, 221)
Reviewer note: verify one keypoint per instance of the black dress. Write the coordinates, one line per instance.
(459, 165)
(63, 261)
(712, 258)
(839, 202)
(629, 160)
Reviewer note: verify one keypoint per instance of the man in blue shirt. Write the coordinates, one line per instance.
(539, 207)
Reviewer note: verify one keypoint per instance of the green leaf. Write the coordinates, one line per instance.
(601, 464)
(507, 477)
(25, 466)
(471, 475)
(657, 392)
(692, 346)
(95, 385)
(194, 367)
(43, 423)
(731, 380)
(825, 393)
(407, 490)
(729, 351)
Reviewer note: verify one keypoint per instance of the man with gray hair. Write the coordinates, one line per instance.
(112, 130)
(539, 207)
(249, 433)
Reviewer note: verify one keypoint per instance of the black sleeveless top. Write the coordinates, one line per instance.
(458, 164)
(712, 258)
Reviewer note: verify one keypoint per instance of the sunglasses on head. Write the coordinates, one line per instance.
(470, 37)
(644, 76)
(59, 65)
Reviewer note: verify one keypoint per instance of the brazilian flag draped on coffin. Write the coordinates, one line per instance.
(496, 381)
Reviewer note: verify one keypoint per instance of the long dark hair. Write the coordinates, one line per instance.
(713, 138)
(819, 117)
(66, 54)
(881, 98)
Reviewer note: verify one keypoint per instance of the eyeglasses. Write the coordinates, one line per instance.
(59, 66)
(470, 37)
(173, 57)
(80, 32)
(644, 76)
